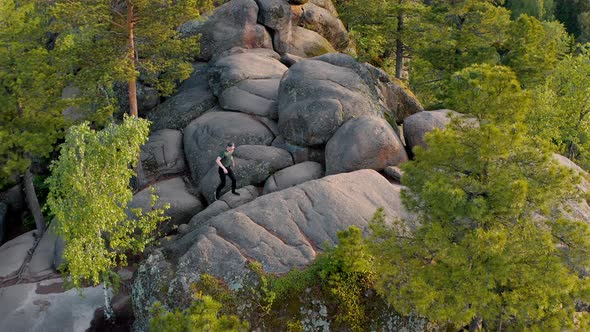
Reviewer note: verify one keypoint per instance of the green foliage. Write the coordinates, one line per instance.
(94, 36)
(572, 14)
(201, 316)
(486, 248)
(489, 93)
(30, 88)
(374, 27)
(534, 48)
(540, 9)
(89, 193)
(343, 274)
(561, 111)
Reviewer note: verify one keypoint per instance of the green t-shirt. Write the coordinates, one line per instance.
(226, 158)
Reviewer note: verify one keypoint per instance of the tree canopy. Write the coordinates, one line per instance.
(89, 193)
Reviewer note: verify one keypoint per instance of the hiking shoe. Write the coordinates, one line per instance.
(235, 193)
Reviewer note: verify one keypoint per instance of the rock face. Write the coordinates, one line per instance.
(306, 43)
(3, 212)
(208, 135)
(233, 24)
(282, 230)
(400, 101)
(364, 142)
(225, 202)
(248, 81)
(44, 306)
(292, 176)
(316, 96)
(13, 254)
(192, 99)
(183, 205)
(254, 164)
(326, 24)
(417, 125)
(161, 155)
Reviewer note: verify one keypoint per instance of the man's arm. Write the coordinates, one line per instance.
(218, 162)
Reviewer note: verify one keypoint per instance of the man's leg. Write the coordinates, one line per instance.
(222, 184)
(232, 176)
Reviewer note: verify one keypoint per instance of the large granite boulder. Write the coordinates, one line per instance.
(416, 126)
(281, 230)
(292, 176)
(208, 135)
(248, 81)
(254, 164)
(276, 15)
(41, 264)
(192, 99)
(300, 153)
(400, 101)
(183, 205)
(13, 254)
(232, 24)
(364, 142)
(307, 43)
(46, 307)
(326, 24)
(318, 95)
(162, 155)
(226, 202)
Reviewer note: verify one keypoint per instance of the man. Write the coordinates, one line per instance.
(225, 161)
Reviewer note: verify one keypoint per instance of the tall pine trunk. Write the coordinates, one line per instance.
(131, 45)
(33, 202)
(399, 45)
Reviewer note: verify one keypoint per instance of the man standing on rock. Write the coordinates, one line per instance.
(225, 160)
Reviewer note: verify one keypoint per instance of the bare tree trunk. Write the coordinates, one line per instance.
(131, 44)
(33, 202)
(399, 45)
(476, 324)
(108, 309)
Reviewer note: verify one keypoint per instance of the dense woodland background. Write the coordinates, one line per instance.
(493, 251)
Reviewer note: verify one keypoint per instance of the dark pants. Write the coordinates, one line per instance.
(222, 175)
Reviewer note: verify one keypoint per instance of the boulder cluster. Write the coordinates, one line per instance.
(314, 131)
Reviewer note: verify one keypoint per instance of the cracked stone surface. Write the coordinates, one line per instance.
(281, 230)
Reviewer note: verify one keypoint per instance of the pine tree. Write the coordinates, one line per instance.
(116, 40)
(31, 119)
(490, 252)
(561, 113)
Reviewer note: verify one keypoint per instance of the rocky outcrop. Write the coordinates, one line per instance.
(254, 164)
(13, 254)
(224, 203)
(248, 81)
(364, 142)
(175, 192)
(281, 230)
(400, 101)
(162, 155)
(417, 125)
(325, 23)
(316, 96)
(306, 43)
(192, 99)
(45, 306)
(208, 135)
(292, 176)
(233, 24)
